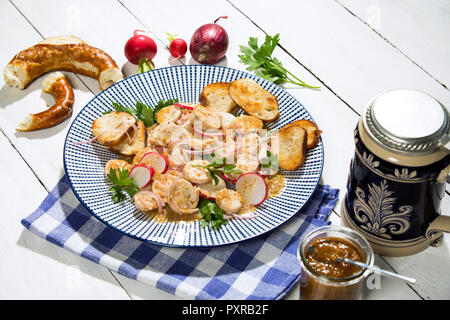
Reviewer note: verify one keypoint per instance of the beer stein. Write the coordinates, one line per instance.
(398, 175)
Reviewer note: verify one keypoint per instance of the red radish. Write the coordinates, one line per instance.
(252, 187)
(139, 47)
(156, 160)
(209, 43)
(208, 133)
(142, 175)
(177, 47)
(262, 172)
(229, 179)
(209, 190)
(183, 106)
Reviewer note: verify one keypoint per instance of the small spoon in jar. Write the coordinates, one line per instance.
(363, 265)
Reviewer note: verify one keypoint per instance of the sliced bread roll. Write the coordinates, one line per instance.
(129, 147)
(312, 130)
(216, 97)
(256, 101)
(246, 123)
(292, 147)
(111, 128)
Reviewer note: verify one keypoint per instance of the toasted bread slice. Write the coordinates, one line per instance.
(292, 147)
(216, 97)
(111, 128)
(256, 101)
(312, 130)
(246, 123)
(137, 143)
(168, 114)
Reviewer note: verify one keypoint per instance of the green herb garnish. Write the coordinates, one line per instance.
(212, 215)
(162, 104)
(216, 168)
(260, 60)
(271, 161)
(143, 112)
(122, 183)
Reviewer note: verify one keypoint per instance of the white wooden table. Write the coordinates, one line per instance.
(354, 49)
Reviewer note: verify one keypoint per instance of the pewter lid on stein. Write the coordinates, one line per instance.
(408, 121)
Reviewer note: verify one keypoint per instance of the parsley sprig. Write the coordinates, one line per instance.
(122, 184)
(260, 60)
(271, 161)
(212, 215)
(142, 112)
(217, 167)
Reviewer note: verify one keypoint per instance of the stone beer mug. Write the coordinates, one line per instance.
(398, 175)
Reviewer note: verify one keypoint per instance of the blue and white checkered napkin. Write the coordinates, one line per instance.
(262, 268)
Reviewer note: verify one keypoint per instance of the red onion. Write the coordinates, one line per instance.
(159, 201)
(238, 217)
(209, 43)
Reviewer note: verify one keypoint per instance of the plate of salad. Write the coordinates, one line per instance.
(153, 156)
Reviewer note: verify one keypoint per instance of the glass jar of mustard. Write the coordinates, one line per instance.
(323, 277)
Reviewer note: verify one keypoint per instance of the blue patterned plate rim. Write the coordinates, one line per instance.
(190, 245)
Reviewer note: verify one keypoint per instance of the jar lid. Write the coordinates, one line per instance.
(407, 121)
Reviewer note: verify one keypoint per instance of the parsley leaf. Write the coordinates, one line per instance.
(121, 183)
(212, 215)
(217, 166)
(260, 60)
(143, 112)
(162, 104)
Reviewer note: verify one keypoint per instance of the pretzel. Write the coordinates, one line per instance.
(67, 53)
(57, 85)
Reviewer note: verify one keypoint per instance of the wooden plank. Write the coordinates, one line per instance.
(374, 288)
(356, 68)
(429, 267)
(347, 55)
(45, 270)
(33, 268)
(419, 31)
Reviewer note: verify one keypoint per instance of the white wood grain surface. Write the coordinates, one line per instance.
(325, 43)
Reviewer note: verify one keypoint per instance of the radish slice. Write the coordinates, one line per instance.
(229, 179)
(156, 160)
(209, 133)
(183, 106)
(209, 190)
(142, 175)
(252, 187)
